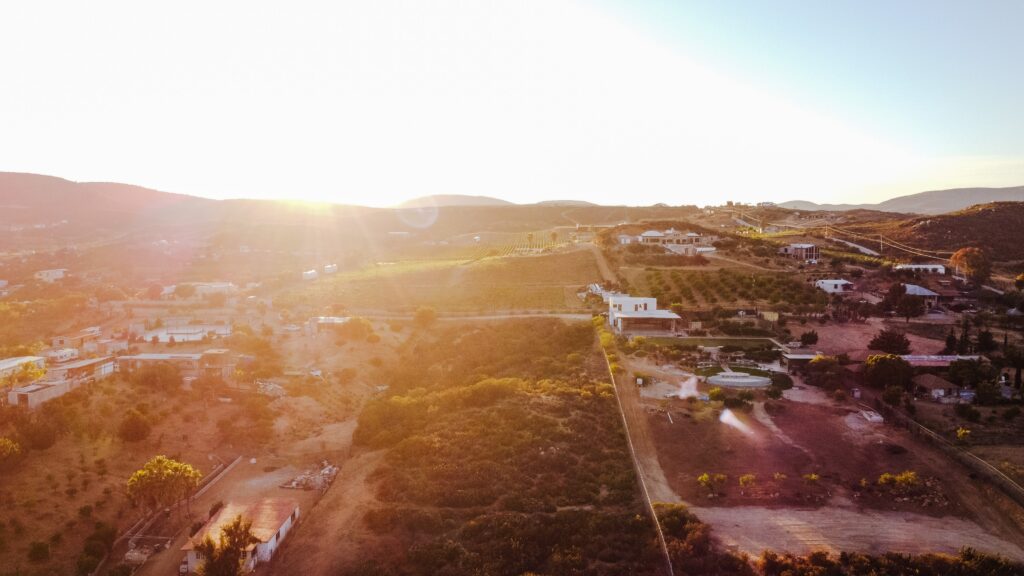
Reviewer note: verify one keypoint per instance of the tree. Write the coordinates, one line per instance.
(890, 342)
(910, 307)
(824, 372)
(1015, 358)
(809, 338)
(425, 316)
(971, 373)
(163, 377)
(162, 482)
(986, 341)
(10, 451)
(888, 370)
(973, 263)
(224, 557)
(184, 291)
(154, 291)
(134, 427)
(951, 342)
(1019, 281)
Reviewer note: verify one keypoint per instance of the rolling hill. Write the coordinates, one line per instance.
(932, 202)
(994, 226)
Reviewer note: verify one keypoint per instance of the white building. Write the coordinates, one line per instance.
(60, 380)
(628, 239)
(922, 268)
(930, 298)
(637, 314)
(60, 355)
(330, 268)
(50, 276)
(834, 286)
(310, 275)
(272, 519)
(9, 366)
(318, 323)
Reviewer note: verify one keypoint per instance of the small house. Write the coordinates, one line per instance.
(935, 386)
(272, 519)
(834, 286)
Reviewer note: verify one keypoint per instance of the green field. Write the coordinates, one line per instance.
(544, 282)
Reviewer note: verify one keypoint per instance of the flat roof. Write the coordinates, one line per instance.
(267, 517)
(836, 281)
(84, 363)
(801, 245)
(162, 357)
(935, 359)
(665, 314)
(18, 361)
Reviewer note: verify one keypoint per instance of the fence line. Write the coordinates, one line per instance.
(639, 469)
(987, 471)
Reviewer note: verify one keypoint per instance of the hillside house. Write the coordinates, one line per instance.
(330, 269)
(60, 355)
(834, 286)
(310, 275)
(628, 314)
(84, 340)
(50, 276)
(318, 324)
(60, 380)
(673, 237)
(804, 252)
(272, 519)
(10, 366)
(930, 297)
(936, 387)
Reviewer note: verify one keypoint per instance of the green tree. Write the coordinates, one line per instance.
(951, 342)
(10, 451)
(890, 342)
(809, 338)
(910, 307)
(973, 263)
(971, 373)
(224, 556)
(134, 427)
(162, 482)
(1015, 358)
(888, 370)
(986, 341)
(824, 372)
(163, 377)
(425, 316)
(1019, 281)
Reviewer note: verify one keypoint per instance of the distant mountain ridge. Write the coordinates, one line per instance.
(931, 202)
(445, 200)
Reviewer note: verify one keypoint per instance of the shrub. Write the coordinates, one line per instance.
(1011, 413)
(748, 480)
(773, 393)
(967, 412)
(782, 381)
(716, 394)
(38, 551)
(893, 395)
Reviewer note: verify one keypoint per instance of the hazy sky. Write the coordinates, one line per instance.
(634, 102)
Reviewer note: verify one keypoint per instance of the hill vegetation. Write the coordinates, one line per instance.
(932, 202)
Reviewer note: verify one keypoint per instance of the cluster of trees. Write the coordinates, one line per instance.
(161, 482)
(504, 457)
(902, 304)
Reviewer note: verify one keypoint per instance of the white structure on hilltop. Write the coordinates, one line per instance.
(9, 366)
(272, 519)
(834, 285)
(310, 275)
(637, 314)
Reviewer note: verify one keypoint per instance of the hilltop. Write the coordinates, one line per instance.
(994, 226)
(931, 202)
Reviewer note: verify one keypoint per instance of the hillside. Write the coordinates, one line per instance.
(994, 226)
(932, 202)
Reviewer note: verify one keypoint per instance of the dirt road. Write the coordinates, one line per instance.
(753, 529)
(339, 536)
(602, 263)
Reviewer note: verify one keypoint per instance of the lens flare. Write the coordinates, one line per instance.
(688, 388)
(730, 419)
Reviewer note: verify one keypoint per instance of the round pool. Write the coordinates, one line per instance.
(739, 380)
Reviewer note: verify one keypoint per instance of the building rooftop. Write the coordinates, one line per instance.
(801, 245)
(84, 363)
(652, 234)
(153, 356)
(266, 516)
(666, 314)
(915, 290)
(934, 360)
(835, 281)
(932, 382)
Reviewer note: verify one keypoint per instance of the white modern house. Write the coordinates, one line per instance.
(60, 380)
(922, 268)
(801, 251)
(330, 268)
(834, 285)
(272, 519)
(310, 275)
(50, 276)
(636, 314)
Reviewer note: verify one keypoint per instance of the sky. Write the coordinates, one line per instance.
(616, 102)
